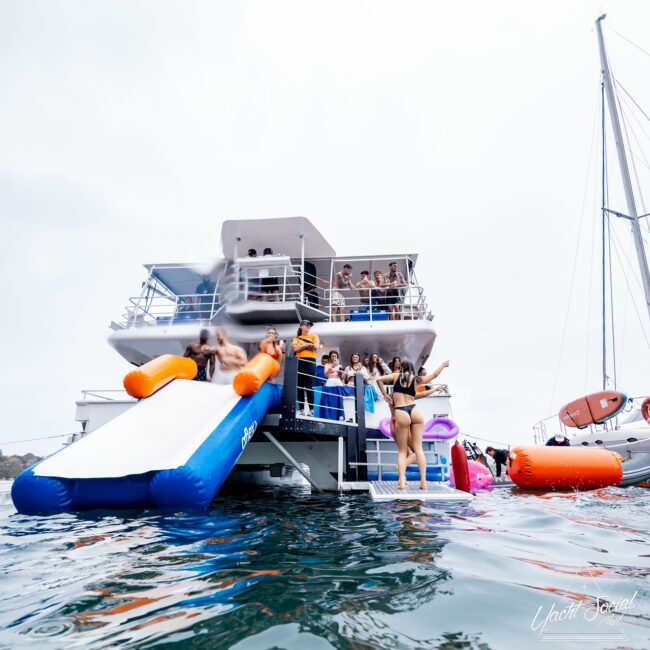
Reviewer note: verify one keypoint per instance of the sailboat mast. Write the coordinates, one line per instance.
(622, 162)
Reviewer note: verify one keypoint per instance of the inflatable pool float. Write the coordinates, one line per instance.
(480, 477)
(434, 429)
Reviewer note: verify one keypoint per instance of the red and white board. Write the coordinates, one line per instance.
(592, 409)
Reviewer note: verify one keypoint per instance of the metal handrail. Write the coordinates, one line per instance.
(167, 309)
(98, 393)
(157, 304)
(392, 452)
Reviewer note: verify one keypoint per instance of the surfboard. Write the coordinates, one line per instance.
(595, 408)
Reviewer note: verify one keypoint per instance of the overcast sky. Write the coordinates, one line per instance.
(130, 130)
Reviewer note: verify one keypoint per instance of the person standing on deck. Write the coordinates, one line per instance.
(500, 457)
(409, 421)
(231, 358)
(364, 286)
(394, 281)
(195, 352)
(272, 345)
(305, 345)
(342, 281)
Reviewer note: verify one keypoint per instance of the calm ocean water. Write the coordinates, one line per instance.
(287, 569)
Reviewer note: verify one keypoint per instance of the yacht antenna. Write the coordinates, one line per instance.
(622, 161)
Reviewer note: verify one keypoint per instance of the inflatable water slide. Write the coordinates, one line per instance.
(173, 449)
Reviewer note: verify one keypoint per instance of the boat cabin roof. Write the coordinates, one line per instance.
(181, 278)
(284, 236)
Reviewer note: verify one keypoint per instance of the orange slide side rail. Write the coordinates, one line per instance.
(158, 372)
(249, 379)
(565, 468)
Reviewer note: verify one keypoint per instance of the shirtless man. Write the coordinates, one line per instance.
(364, 285)
(342, 281)
(230, 356)
(196, 352)
(395, 281)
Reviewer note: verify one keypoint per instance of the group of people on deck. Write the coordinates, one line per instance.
(219, 363)
(383, 291)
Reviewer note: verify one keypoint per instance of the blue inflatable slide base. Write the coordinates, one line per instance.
(189, 486)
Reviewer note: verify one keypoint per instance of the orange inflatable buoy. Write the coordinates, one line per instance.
(563, 468)
(249, 379)
(155, 374)
(645, 409)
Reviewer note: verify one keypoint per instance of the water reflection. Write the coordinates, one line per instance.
(340, 570)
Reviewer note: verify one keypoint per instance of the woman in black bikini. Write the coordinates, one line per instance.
(409, 421)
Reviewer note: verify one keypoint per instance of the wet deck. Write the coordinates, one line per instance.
(388, 491)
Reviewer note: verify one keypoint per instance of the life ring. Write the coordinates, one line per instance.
(645, 409)
(434, 429)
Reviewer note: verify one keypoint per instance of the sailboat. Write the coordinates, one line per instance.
(596, 418)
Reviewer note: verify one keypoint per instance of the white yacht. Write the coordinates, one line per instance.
(273, 272)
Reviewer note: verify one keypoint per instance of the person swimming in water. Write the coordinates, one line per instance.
(409, 421)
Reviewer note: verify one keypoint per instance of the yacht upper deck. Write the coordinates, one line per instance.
(296, 279)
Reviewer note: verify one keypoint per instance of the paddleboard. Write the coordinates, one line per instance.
(592, 409)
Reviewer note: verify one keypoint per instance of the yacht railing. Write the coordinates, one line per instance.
(316, 400)
(106, 395)
(288, 282)
(283, 285)
(162, 309)
(360, 303)
(552, 425)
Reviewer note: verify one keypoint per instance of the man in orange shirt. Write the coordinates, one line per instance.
(304, 345)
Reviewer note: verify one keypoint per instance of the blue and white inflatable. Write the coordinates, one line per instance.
(174, 449)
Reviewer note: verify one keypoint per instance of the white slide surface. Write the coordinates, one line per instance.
(160, 432)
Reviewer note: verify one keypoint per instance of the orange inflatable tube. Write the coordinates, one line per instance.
(249, 379)
(565, 468)
(158, 372)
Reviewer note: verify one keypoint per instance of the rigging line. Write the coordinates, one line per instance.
(635, 117)
(638, 47)
(575, 258)
(611, 299)
(627, 297)
(618, 257)
(628, 146)
(591, 266)
(622, 87)
(603, 217)
(636, 139)
(629, 264)
(496, 442)
(636, 174)
(634, 167)
(60, 435)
